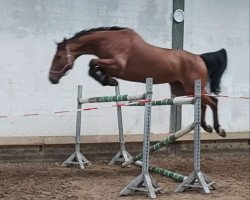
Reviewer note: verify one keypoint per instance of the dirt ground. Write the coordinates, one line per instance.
(50, 181)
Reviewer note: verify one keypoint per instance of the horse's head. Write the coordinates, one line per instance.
(62, 62)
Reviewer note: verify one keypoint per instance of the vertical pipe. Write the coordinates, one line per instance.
(78, 120)
(177, 43)
(147, 124)
(120, 125)
(197, 121)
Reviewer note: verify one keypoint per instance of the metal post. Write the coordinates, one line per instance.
(197, 179)
(78, 120)
(147, 125)
(77, 157)
(197, 121)
(144, 182)
(122, 155)
(177, 43)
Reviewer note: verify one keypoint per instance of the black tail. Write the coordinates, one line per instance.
(216, 63)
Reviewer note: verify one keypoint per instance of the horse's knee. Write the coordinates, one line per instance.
(92, 63)
(98, 75)
(93, 71)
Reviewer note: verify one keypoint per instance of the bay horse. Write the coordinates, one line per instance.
(123, 54)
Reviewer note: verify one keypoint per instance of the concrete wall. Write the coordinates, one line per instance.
(27, 31)
(211, 25)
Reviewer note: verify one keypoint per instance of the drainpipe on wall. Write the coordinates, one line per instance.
(177, 43)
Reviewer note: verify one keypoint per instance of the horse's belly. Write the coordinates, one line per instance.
(141, 75)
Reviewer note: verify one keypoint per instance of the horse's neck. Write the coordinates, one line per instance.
(87, 44)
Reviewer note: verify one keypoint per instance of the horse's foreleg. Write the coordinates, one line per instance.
(97, 71)
(213, 104)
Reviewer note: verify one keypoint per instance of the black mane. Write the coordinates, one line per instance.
(93, 30)
(89, 31)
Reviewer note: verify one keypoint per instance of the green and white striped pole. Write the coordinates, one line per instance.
(164, 143)
(115, 98)
(164, 172)
(170, 101)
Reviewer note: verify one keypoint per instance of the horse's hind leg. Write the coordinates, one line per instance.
(178, 90)
(189, 89)
(96, 72)
(213, 104)
(204, 125)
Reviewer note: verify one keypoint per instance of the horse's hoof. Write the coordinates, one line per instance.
(113, 82)
(221, 132)
(209, 129)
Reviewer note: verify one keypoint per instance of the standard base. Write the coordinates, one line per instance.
(145, 183)
(120, 157)
(197, 180)
(75, 159)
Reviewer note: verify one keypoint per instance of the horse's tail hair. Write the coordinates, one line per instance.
(216, 63)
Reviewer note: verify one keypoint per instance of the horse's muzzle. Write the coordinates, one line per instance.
(53, 79)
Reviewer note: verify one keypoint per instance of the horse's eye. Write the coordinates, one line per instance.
(57, 57)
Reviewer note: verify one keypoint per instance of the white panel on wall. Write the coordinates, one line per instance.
(210, 26)
(27, 33)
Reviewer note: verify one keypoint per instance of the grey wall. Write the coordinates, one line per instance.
(28, 29)
(211, 25)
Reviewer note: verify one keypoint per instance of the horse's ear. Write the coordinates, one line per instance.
(55, 42)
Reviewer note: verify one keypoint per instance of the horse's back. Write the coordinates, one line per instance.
(144, 60)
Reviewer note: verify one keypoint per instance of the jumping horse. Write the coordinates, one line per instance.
(123, 54)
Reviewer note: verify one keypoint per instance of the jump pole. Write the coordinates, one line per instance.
(144, 182)
(122, 155)
(77, 157)
(170, 101)
(115, 98)
(170, 174)
(164, 143)
(197, 179)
